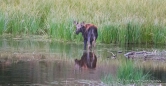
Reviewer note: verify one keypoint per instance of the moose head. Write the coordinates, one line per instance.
(79, 26)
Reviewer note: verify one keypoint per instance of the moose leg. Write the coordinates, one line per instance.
(90, 35)
(94, 41)
(85, 42)
(89, 44)
(94, 38)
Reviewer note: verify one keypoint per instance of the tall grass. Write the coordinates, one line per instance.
(118, 21)
(2, 23)
(127, 73)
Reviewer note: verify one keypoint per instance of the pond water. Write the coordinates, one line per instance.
(42, 63)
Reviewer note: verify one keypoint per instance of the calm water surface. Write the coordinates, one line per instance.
(31, 62)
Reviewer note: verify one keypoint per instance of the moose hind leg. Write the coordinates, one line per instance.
(94, 41)
(93, 38)
(89, 44)
(85, 43)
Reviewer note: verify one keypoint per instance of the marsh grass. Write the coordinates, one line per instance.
(118, 21)
(127, 73)
(2, 22)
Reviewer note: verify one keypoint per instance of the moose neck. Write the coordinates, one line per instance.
(83, 30)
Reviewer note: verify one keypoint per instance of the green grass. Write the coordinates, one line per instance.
(2, 23)
(127, 73)
(118, 21)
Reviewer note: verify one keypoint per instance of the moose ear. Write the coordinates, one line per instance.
(75, 22)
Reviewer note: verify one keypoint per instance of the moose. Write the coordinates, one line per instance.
(87, 61)
(89, 33)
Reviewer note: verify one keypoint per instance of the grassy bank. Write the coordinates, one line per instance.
(118, 21)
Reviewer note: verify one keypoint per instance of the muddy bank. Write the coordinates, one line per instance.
(146, 55)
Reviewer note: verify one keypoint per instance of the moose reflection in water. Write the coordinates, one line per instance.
(87, 61)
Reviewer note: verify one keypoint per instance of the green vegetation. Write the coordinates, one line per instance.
(127, 73)
(118, 21)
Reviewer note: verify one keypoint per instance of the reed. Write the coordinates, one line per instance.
(127, 73)
(118, 21)
(2, 23)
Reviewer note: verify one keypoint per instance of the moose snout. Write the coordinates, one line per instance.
(77, 32)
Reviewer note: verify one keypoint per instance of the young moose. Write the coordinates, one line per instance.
(89, 33)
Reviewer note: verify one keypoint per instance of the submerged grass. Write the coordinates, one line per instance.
(127, 73)
(118, 21)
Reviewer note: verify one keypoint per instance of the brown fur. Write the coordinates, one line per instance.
(87, 26)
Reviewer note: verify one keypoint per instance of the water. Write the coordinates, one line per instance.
(38, 62)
